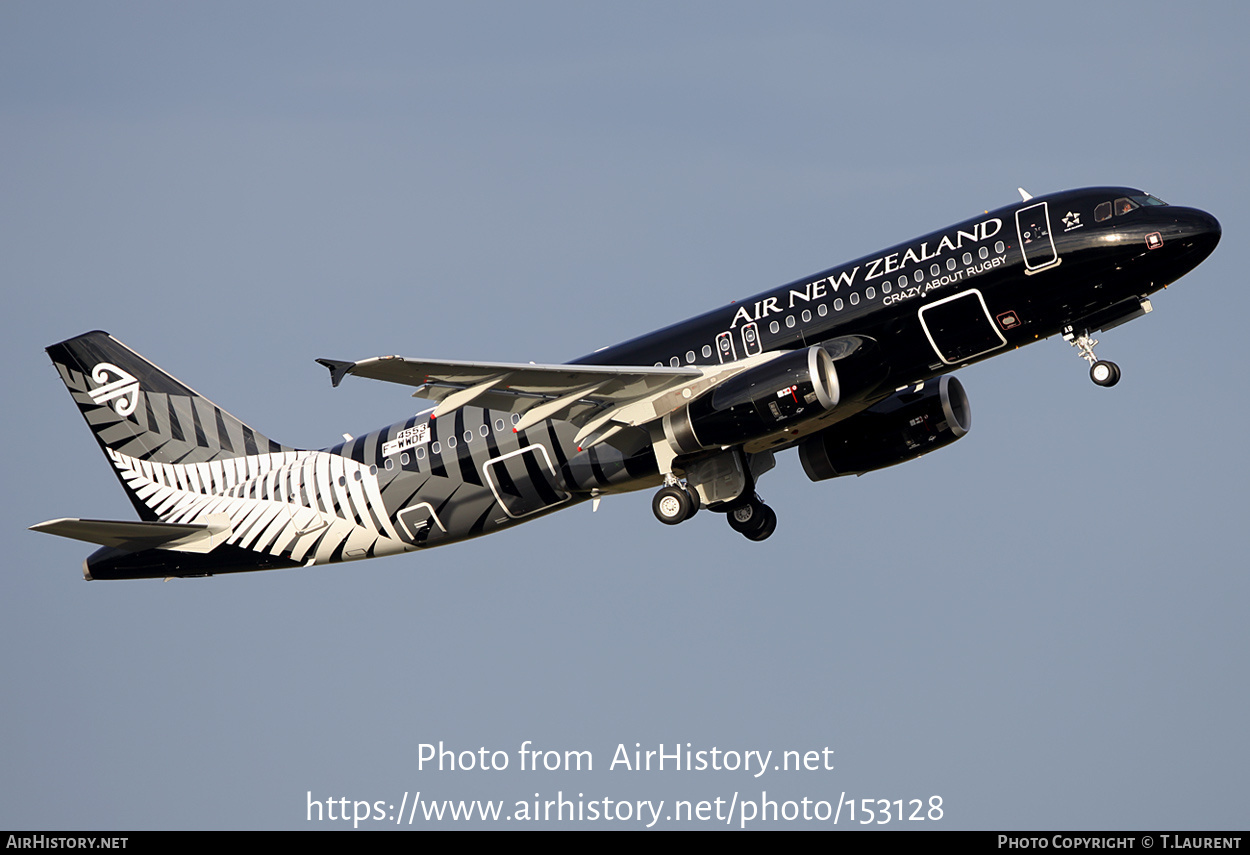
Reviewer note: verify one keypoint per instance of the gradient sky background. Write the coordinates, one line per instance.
(1044, 624)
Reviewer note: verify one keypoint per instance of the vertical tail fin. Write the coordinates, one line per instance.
(136, 409)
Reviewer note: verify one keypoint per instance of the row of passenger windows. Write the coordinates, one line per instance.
(870, 293)
(437, 447)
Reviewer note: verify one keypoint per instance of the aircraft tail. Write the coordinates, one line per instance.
(137, 410)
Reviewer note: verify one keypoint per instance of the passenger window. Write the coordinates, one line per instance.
(484, 431)
(774, 327)
(790, 321)
(919, 275)
(403, 458)
(950, 264)
(1102, 212)
(499, 423)
(689, 356)
(390, 464)
(984, 253)
(420, 454)
(468, 436)
(870, 292)
(435, 448)
(967, 258)
(855, 299)
(934, 270)
(707, 350)
(674, 362)
(822, 310)
(807, 315)
(999, 246)
(885, 286)
(837, 305)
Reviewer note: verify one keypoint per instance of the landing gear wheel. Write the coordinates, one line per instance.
(695, 504)
(1101, 371)
(672, 505)
(767, 525)
(754, 519)
(744, 518)
(1104, 373)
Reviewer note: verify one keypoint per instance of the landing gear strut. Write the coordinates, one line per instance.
(1101, 371)
(753, 519)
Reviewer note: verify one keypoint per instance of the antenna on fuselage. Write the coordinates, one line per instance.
(1025, 195)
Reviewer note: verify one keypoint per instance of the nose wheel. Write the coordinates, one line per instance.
(1104, 373)
(1101, 371)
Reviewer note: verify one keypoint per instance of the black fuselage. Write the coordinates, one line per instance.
(1069, 263)
(1027, 290)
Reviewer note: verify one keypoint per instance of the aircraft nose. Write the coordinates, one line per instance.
(1201, 230)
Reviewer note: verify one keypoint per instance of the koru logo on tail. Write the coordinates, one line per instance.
(122, 390)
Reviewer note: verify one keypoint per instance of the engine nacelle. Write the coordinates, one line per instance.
(763, 400)
(773, 397)
(902, 427)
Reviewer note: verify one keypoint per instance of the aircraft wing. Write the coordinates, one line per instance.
(600, 399)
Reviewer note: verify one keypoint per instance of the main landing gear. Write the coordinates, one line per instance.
(1101, 371)
(676, 503)
(754, 520)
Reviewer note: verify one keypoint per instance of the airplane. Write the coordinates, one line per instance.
(850, 366)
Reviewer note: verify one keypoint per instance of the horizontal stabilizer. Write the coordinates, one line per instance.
(135, 536)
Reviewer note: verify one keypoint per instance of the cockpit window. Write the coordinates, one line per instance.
(1125, 204)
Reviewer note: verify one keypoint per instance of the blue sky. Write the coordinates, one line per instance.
(1042, 624)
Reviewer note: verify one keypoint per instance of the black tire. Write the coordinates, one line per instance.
(695, 504)
(768, 524)
(754, 520)
(671, 505)
(1104, 373)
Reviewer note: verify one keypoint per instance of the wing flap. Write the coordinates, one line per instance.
(599, 399)
(513, 376)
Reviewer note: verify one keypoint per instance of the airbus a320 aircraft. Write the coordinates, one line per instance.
(850, 366)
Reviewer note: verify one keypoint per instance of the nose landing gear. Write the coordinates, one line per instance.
(1101, 371)
(1104, 373)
